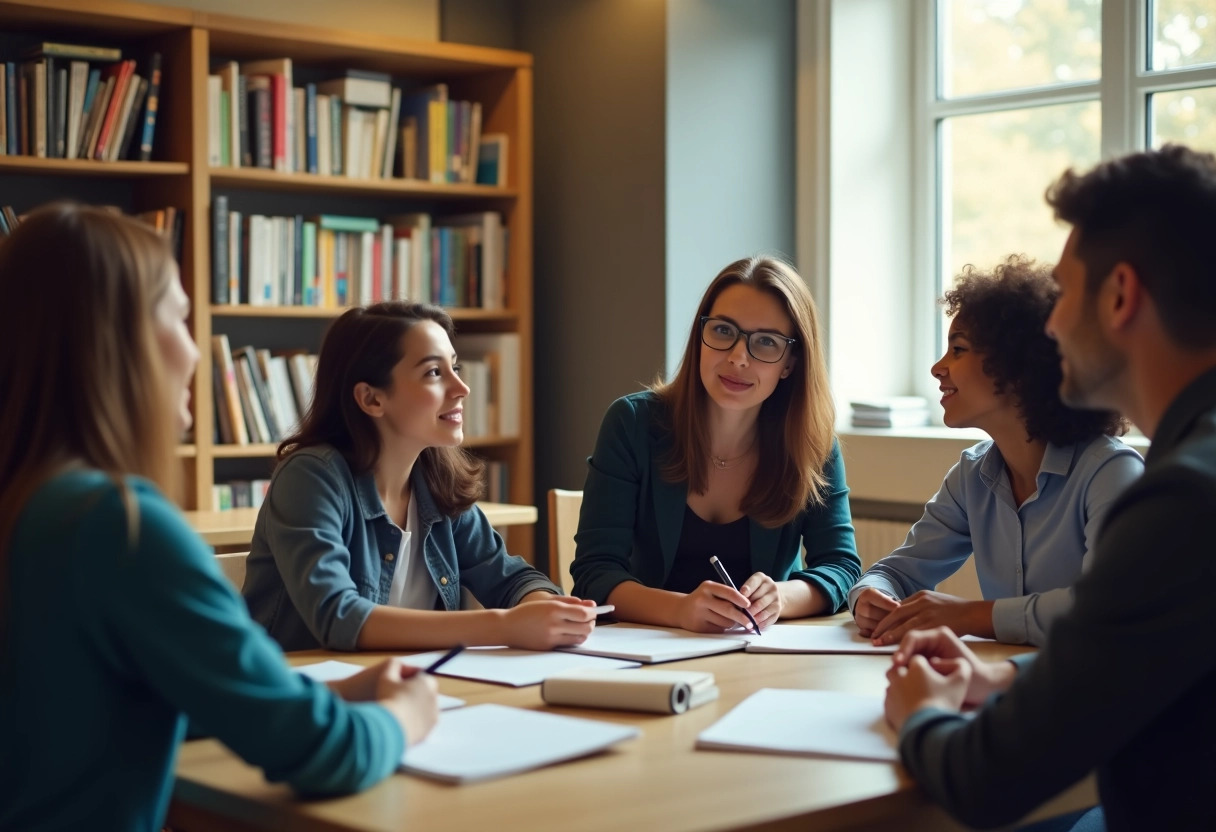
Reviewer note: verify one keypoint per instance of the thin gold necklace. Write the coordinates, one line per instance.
(722, 463)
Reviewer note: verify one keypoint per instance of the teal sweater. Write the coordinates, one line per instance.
(112, 640)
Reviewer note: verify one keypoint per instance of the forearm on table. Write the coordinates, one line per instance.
(800, 599)
(645, 605)
(394, 628)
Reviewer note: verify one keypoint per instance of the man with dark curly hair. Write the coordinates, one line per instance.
(1028, 502)
(1127, 679)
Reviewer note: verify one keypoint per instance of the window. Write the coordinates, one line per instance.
(1022, 89)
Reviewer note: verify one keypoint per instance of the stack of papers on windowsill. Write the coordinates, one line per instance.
(890, 412)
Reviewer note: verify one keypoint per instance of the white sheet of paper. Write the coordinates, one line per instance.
(509, 666)
(807, 722)
(653, 644)
(331, 671)
(814, 638)
(486, 741)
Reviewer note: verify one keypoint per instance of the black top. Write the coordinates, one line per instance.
(699, 541)
(1127, 679)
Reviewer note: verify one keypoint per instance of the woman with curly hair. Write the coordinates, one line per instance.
(1028, 503)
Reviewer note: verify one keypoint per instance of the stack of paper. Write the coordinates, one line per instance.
(807, 722)
(486, 741)
(890, 412)
(653, 644)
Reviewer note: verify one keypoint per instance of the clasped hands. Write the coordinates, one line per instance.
(935, 669)
(885, 620)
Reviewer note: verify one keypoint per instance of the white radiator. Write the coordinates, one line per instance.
(877, 538)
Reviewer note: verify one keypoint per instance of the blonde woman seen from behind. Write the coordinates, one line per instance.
(116, 623)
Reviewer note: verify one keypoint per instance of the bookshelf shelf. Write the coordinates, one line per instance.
(193, 43)
(88, 167)
(490, 316)
(270, 180)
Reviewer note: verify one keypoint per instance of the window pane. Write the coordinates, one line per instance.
(993, 45)
(996, 167)
(1184, 33)
(1186, 116)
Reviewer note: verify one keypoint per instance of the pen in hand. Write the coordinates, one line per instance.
(721, 570)
(444, 659)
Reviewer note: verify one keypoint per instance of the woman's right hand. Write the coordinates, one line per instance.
(409, 695)
(712, 608)
(545, 624)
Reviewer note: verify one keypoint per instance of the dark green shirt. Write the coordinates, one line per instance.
(114, 639)
(1127, 681)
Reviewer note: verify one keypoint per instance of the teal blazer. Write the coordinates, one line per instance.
(630, 523)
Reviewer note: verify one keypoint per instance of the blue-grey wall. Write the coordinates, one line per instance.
(730, 144)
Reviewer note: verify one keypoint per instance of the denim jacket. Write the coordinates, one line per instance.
(324, 552)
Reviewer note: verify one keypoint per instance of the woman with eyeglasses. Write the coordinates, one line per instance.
(734, 458)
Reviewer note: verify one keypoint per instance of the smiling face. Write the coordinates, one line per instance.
(733, 378)
(969, 397)
(423, 405)
(1089, 363)
(178, 351)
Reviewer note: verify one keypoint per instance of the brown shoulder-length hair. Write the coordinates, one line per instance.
(363, 345)
(796, 424)
(80, 367)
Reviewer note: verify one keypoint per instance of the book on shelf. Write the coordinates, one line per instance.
(282, 116)
(492, 160)
(151, 107)
(360, 88)
(51, 49)
(495, 401)
(225, 370)
(497, 482)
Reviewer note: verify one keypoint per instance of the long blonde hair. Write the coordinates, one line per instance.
(796, 423)
(80, 368)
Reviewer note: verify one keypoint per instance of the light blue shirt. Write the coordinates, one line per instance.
(1027, 558)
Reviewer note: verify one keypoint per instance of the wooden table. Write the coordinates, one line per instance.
(235, 527)
(655, 782)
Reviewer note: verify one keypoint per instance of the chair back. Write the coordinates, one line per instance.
(233, 565)
(563, 523)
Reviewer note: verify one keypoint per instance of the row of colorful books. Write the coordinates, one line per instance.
(259, 396)
(332, 261)
(168, 221)
(68, 101)
(226, 496)
(357, 125)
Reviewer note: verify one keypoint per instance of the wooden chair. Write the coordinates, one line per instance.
(563, 523)
(233, 565)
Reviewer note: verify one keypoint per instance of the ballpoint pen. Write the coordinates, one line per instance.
(721, 570)
(444, 659)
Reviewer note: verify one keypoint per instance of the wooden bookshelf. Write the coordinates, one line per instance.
(180, 175)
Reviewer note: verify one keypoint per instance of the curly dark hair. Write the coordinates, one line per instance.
(1154, 210)
(1003, 313)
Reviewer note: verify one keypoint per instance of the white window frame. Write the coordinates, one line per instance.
(1124, 92)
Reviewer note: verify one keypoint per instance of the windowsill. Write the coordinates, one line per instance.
(907, 465)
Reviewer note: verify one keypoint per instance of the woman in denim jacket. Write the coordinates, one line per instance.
(369, 528)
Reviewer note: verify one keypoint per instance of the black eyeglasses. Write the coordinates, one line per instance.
(722, 335)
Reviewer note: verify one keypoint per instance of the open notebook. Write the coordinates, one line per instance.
(649, 645)
(331, 671)
(805, 722)
(486, 741)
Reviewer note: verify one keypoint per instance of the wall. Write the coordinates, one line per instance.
(416, 19)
